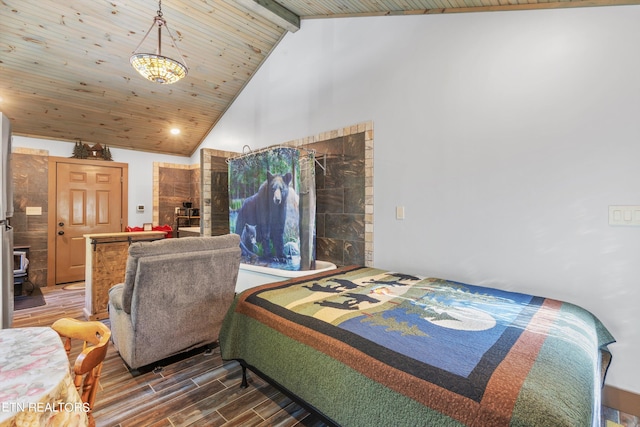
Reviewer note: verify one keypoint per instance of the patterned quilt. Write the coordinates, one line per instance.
(368, 347)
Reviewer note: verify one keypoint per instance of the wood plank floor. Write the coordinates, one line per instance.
(200, 390)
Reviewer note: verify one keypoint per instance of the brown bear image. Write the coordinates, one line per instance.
(267, 210)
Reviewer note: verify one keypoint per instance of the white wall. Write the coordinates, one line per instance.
(140, 171)
(506, 136)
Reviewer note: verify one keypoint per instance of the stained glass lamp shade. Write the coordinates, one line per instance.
(154, 66)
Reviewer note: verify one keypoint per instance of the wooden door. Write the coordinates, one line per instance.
(88, 200)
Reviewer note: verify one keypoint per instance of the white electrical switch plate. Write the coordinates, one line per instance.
(34, 210)
(399, 212)
(624, 215)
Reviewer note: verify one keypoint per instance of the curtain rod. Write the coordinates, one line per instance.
(251, 152)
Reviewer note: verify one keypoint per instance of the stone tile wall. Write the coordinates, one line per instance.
(173, 185)
(340, 199)
(344, 194)
(219, 196)
(31, 181)
(215, 191)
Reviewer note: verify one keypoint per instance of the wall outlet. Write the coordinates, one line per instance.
(624, 215)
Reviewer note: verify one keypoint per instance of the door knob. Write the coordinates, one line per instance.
(60, 233)
(61, 224)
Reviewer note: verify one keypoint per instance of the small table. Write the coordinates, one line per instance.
(36, 387)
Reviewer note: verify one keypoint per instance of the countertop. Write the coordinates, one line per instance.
(133, 234)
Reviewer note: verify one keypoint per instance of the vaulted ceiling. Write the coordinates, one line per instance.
(65, 72)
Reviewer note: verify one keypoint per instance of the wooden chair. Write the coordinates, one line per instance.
(88, 365)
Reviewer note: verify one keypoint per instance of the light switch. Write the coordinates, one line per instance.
(34, 210)
(399, 212)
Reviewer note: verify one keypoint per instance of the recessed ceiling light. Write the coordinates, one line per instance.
(175, 131)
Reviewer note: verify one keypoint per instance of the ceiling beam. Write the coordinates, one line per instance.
(273, 12)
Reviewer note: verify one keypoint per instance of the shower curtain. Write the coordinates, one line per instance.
(272, 207)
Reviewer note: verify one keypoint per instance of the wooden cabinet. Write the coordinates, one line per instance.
(105, 266)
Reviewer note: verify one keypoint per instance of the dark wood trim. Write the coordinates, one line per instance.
(489, 8)
(273, 12)
(51, 221)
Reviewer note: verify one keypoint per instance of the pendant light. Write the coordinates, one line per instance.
(154, 66)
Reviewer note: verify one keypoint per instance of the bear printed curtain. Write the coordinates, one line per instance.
(272, 207)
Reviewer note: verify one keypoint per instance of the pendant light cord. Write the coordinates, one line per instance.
(160, 21)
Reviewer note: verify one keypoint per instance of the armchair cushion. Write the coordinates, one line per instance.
(170, 247)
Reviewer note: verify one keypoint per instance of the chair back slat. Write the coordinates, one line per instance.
(88, 365)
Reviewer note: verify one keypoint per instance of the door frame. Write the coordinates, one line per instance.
(53, 204)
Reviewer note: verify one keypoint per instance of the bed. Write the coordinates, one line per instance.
(367, 347)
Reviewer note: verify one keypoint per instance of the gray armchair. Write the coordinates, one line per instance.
(174, 296)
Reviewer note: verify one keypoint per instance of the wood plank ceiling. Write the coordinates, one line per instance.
(65, 72)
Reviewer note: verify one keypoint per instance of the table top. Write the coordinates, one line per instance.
(190, 229)
(132, 234)
(35, 380)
